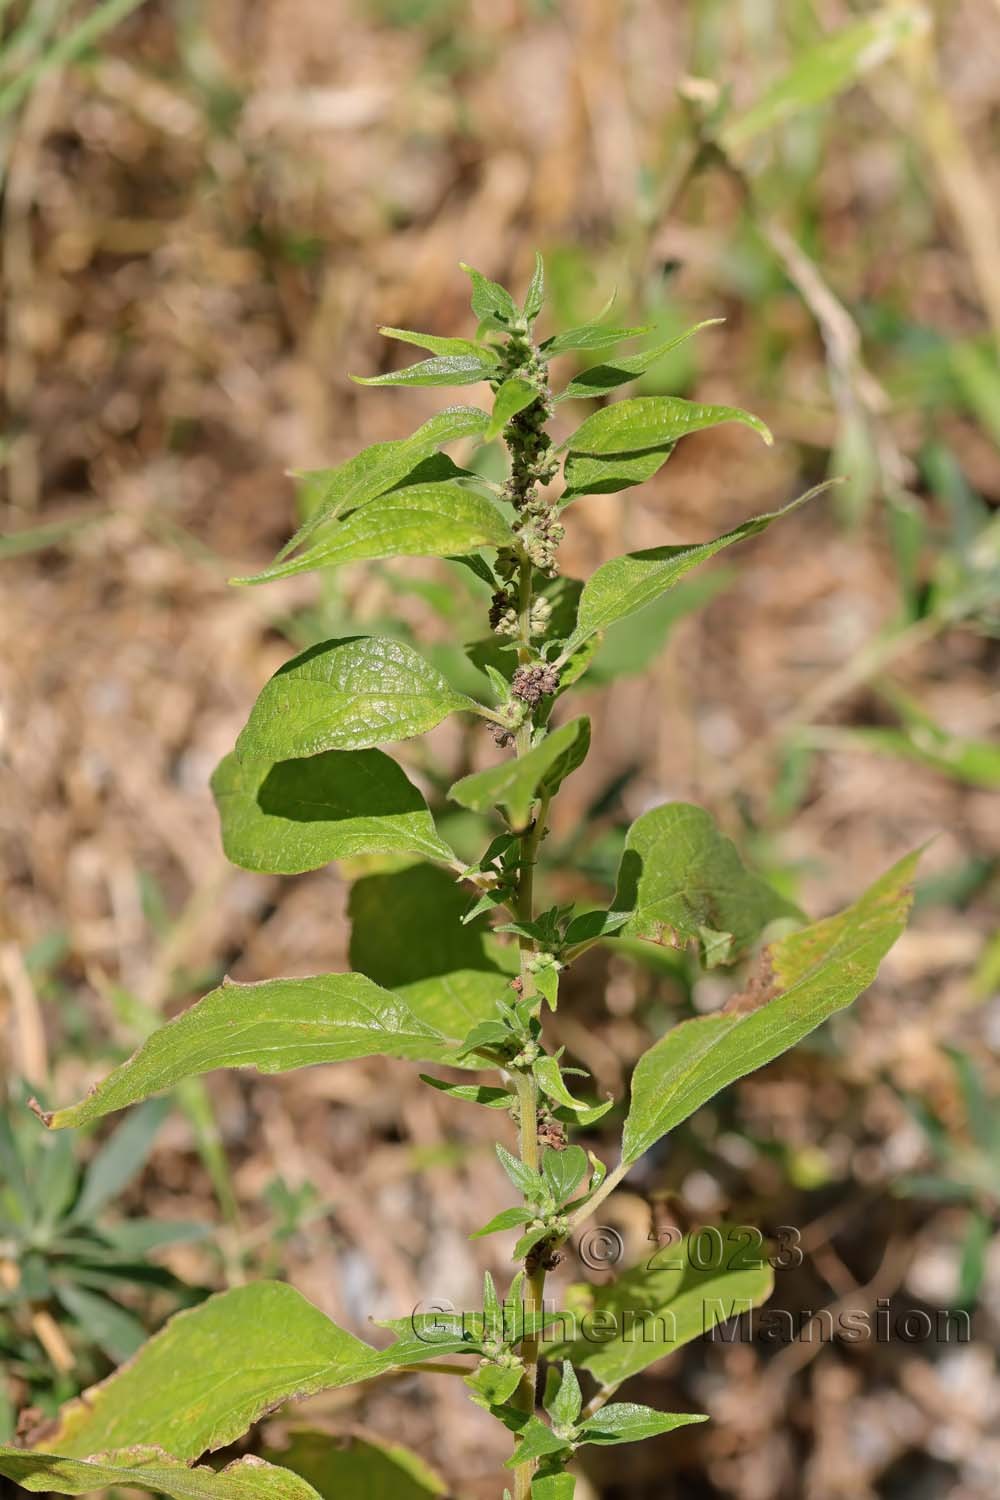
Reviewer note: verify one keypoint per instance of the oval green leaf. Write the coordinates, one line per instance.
(624, 1422)
(491, 302)
(212, 1371)
(592, 336)
(420, 520)
(513, 396)
(443, 369)
(619, 371)
(376, 469)
(650, 421)
(275, 1025)
(436, 345)
(348, 694)
(679, 876)
(628, 583)
(289, 816)
(607, 473)
(516, 782)
(667, 1302)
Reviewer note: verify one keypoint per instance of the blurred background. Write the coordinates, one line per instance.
(207, 208)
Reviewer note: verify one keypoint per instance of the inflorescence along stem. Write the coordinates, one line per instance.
(538, 533)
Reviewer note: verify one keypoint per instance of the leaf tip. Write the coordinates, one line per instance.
(45, 1115)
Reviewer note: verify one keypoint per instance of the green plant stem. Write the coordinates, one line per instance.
(527, 1089)
(606, 1188)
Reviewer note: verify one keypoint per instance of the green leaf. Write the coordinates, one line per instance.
(630, 645)
(553, 1487)
(289, 816)
(492, 1312)
(484, 1038)
(564, 1408)
(492, 1385)
(524, 1178)
(619, 371)
(547, 985)
(148, 1468)
(376, 469)
(491, 303)
(273, 1026)
(535, 295)
(550, 1081)
(805, 978)
(460, 348)
(517, 781)
(214, 1370)
(627, 1423)
(535, 1439)
(827, 69)
(420, 520)
(407, 935)
(507, 1218)
(651, 1310)
(572, 756)
(681, 878)
(513, 396)
(472, 1093)
(564, 1171)
(529, 1240)
(347, 694)
(607, 473)
(119, 1159)
(446, 369)
(625, 584)
(109, 1326)
(594, 335)
(651, 421)
(355, 1465)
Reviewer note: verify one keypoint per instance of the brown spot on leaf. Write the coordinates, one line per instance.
(760, 988)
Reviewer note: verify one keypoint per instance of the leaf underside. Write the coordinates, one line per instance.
(407, 934)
